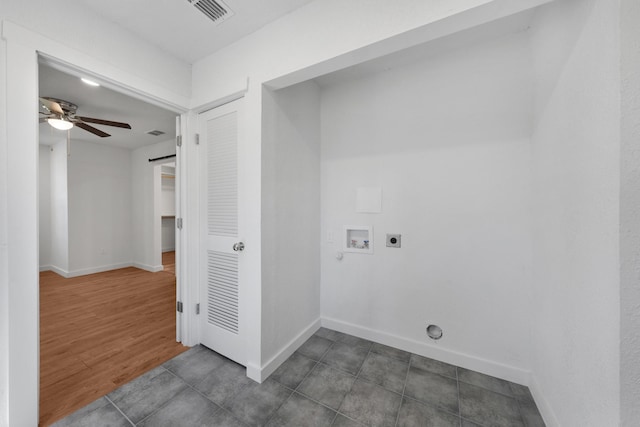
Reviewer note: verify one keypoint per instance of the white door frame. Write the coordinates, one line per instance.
(23, 48)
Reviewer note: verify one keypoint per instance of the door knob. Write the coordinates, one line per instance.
(238, 247)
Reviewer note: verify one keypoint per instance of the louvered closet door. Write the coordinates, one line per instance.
(221, 297)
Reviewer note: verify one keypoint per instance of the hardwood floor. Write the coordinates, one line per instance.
(100, 331)
(169, 261)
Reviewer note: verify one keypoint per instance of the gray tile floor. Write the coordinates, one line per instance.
(333, 379)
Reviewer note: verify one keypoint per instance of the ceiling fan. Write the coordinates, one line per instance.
(61, 115)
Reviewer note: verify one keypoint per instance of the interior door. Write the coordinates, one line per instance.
(221, 290)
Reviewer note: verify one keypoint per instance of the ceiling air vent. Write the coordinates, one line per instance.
(215, 10)
(155, 132)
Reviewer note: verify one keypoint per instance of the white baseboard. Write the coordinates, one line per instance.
(254, 372)
(100, 269)
(57, 270)
(545, 408)
(495, 369)
(261, 374)
(151, 268)
(85, 271)
(169, 249)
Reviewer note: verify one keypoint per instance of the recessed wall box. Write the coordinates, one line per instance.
(394, 240)
(358, 239)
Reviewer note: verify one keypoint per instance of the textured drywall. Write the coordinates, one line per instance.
(576, 155)
(630, 215)
(446, 138)
(291, 215)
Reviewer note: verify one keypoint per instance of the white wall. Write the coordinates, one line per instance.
(447, 140)
(576, 179)
(59, 254)
(92, 44)
(99, 207)
(145, 227)
(629, 214)
(272, 56)
(44, 206)
(168, 191)
(168, 208)
(4, 249)
(168, 234)
(87, 34)
(290, 216)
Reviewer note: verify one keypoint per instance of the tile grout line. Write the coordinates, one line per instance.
(318, 362)
(404, 386)
(293, 391)
(167, 402)
(520, 411)
(280, 406)
(119, 410)
(356, 378)
(193, 387)
(458, 392)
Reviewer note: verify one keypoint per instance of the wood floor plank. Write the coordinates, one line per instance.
(100, 331)
(169, 261)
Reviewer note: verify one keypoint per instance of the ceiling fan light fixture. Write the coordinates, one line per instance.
(60, 124)
(89, 82)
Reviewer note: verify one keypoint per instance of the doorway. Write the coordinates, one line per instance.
(107, 307)
(167, 184)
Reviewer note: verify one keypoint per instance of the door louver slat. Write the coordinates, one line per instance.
(222, 160)
(222, 291)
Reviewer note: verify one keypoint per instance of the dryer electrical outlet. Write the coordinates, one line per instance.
(394, 240)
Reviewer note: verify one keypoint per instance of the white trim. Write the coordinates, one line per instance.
(100, 269)
(261, 374)
(57, 270)
(93, 270)
(499, 370)
(151, 268)
(254, 372)
(545, 408)
(70, 59)
(188, 237)
(234, 96)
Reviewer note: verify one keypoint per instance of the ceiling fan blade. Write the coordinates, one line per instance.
(92, 129)
(52, 106)
(104, 122)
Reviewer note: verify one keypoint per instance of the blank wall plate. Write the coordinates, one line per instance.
(369, 200)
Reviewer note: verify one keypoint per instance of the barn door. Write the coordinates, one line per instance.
(221, 286)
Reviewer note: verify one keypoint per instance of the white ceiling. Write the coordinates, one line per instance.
(104, 103)
(177, 27)
(107, 104)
